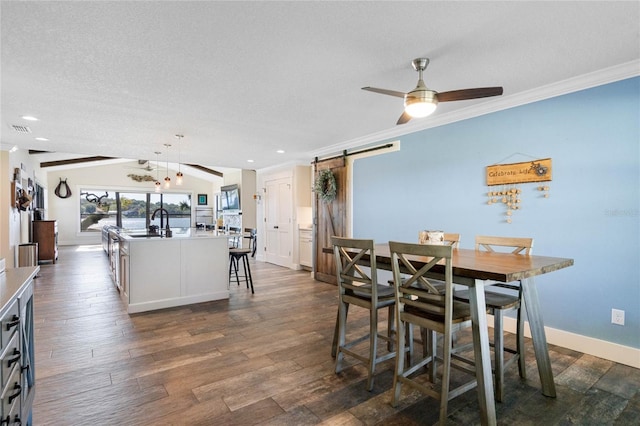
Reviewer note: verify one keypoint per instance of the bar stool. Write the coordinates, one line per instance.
(358, 287)
(235, 256)
(252, 235)
(499, 302)
(421, 303)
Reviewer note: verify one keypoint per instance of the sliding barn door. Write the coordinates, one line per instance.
(331, 219)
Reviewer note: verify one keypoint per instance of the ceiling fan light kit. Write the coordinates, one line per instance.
(422, 105)
(422, 101)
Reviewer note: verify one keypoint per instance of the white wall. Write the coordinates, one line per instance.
(5, 209)
(12, 231)
(247, 191)
(246, 181)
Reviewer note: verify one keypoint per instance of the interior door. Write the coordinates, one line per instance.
(278, 232)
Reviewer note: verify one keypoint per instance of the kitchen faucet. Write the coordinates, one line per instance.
(167, 230)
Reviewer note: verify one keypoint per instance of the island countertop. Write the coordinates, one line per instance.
(181, 233)
(13, 280)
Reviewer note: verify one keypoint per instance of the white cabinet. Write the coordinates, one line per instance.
(305, 245)
(154, 270)
(205, 267)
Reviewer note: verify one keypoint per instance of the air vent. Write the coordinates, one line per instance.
(21, 129)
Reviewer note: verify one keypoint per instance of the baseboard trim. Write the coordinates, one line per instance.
(602, 349)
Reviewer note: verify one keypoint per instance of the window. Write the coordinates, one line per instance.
(178, 206)
(131, 210)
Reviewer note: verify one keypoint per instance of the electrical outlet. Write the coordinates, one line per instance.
(617, 316)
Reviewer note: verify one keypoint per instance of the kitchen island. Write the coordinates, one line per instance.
(156, 272)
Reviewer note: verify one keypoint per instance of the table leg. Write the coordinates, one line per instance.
(532, 306)
(482, 353)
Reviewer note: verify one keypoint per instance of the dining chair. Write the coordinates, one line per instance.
(500, 302)
(452, 240)
(420, 303)
(360, 288)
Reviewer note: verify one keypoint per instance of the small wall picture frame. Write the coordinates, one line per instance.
(202, 199)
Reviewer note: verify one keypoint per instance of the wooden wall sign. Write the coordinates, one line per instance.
(529, 171)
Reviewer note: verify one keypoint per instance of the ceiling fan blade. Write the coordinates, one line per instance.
(403, 118)
(461, 95)
(385, 91)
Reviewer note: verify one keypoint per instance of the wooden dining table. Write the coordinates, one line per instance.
(477, 270)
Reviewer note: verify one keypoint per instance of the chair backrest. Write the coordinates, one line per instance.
(517, 245)
(251, 234)
(351, 275)
(452, 239)
(415, 289)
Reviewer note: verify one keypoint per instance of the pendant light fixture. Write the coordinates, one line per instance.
(157, 182)
(167, 179)
(179, 174)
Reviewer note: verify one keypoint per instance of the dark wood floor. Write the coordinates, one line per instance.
(258, 359)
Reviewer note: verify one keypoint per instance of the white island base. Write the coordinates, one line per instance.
(157, 273)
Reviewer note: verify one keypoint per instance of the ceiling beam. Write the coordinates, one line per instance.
(101, 158)
(205, 169)
(74, 161)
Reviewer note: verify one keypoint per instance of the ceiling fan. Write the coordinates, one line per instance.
(422, 101)
(144, 165)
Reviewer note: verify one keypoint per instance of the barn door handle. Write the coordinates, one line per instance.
(16, 358)
(275, 227)
(17, 387)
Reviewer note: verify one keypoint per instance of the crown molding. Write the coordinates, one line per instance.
(574, 84)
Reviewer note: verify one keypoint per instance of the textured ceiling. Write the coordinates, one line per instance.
(241, 80)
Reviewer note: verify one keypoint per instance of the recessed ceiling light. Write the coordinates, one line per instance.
(249, 161)
(29, 118)
(42, 139)
(280, 151)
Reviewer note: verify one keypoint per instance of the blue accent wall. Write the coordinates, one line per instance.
(437, 181)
